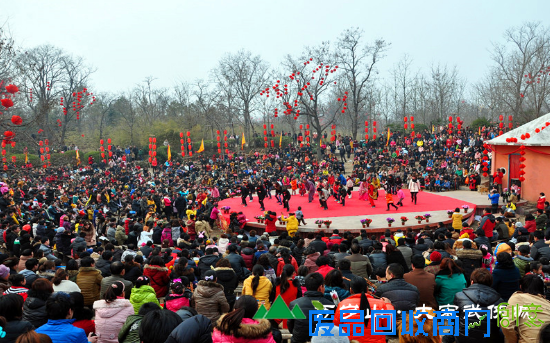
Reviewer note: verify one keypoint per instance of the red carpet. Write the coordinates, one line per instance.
(426, 202)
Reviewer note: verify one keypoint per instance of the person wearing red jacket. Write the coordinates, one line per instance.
(497, 180)
(541, 202)
(365, 302)
(488, 223)
(270, 219)
(335, 239)
(285, 259)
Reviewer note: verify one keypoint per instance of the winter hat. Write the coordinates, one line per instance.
(4, 271)
(519, 224)
(435, 256)
(503, 247)
(60, 230)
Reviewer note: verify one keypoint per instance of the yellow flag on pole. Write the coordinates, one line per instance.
(201, 149)
(433, 129)
(281, 139)
(243, 142)
(27, 156)
(77, 158)
(479, 130)
(388, 139)
(169, 153)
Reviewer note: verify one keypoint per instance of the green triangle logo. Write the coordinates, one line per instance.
(279, 310)
(297, 313)
(260, 314)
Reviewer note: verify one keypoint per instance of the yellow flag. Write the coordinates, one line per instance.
(433, 129)
(281, 139)
(169, 153)
(243, 142)
(201, 149)
(27, 157)
(77, 158)
(479, 130)
(388, 139)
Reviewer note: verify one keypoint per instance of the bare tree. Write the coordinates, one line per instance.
(151, 103)
(245, 75)
(315, 78)
(517, 62)
(42, 78)
(76, 97)
(358, 60)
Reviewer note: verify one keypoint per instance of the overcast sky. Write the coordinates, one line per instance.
(176, 40)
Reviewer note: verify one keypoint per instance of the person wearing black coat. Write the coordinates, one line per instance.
(104, 263)
(403, 295)
(237, 261)
(479, 294)
(506, 276)
(157, 234)
(318, 244)
(180, 205)
(197, 329)
(299, 328)
(393, 255)
(420, 247)
(226, 277)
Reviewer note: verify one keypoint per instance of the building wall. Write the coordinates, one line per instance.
(537, 169)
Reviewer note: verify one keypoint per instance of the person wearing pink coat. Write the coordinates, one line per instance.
(239, 327)
(111, 313)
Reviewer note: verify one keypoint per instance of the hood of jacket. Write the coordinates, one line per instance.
(140, 294)
(472, 254)
(225, 273)
(523, 258)
(481, 294)
(109, 310)
(33, 303)
(249, 328)
(208, 289)
(156, 268)
(208, 259)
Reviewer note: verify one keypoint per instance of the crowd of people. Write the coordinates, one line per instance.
(118, 253)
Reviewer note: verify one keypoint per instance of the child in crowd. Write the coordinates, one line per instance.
(300, 216)
(389, 200)
(180, 294)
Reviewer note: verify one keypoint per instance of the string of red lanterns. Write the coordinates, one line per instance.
(182, 145)
(218, 139)
(153, 150)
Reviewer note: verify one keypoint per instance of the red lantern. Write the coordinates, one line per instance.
(510, 125)
(307, 126)
(374, 123)
(405, 126)
(450, 119)
(16, 120)
(501, 117)
(150, 140)
(301, 126)
(219, 145)
(225, 145)
(218, 132)
(13, 159)
(509, 118)
(412, 118)
(405, 119)
(188, 134)
(189, 140)
(501, 125)
(412, 126)
(42, 150)
(181, 141)
(181, 134)
(154, 139)
(219, 151)
(108, 140)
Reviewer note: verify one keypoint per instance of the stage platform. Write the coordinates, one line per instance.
(347, 218)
